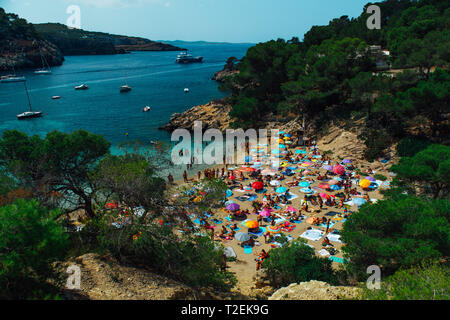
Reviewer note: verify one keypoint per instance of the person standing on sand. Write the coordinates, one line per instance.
(170, 178)
(185, 176)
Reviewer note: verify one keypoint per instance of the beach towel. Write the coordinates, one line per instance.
(324, 225)
(260, 233)
(334, 237)
(336, 259)
(323, 252)
(217, 221)
(248, 250)
(312, 234)
(197, 221)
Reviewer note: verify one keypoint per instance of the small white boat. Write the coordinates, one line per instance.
(81, 87)
(43, 71)
(186, 90)
(146, 109)
(56, 97)
(125, 88)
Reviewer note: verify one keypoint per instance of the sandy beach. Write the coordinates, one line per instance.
(244, 267)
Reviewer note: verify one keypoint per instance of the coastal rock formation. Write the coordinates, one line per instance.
(221, 75)
(213, 115)
(24, 53)
(315, 290)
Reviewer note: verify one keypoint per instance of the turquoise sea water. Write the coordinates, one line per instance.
(156, 79)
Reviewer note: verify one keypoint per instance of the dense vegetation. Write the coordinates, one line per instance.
(13, 27)
(76, 170)
(30, 240)
(296, 262)
(423, 282)
(335, 74)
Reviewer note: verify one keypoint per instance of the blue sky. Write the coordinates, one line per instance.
(210, 20)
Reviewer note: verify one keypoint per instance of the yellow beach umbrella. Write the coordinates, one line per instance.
(365, 183)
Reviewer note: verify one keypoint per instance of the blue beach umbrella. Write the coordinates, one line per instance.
(287, 135)
(276, 151)
(304, 184)
(281, 189)
(335, 187)
(281, 146)
(300, 151)
(229, 193)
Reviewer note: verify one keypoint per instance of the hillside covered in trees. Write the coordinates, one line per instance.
(334, 74)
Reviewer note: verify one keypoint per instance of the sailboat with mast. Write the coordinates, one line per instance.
(126, 87)
(31, 113)
(45, 66)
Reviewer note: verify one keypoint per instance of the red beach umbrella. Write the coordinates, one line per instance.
(258, 185)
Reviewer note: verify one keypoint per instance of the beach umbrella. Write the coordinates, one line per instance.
(365, 183)
(242, 236)
(306, 164)
(276, 151)
(338, 169)
(324, 186)
(280, 140)
(288, 135)
(229, 202)
(333, 181)
(304, 184)
(286, 138)
(346, 161)
(359, 201)
(371, 179)
(335, 187)
(281, 132)
(265, 212)
(300, 151)
(275, 183)
(289, 142)
(281, 189)
(232, 177)
(328, 167)
(274, 229)
(233, 207)
(252, 224)
(337, 178)
(291, 209)
(281, 146)
(325, 196)
(258, 185)
(229, 193)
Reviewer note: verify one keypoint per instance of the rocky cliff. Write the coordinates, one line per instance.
(315, 290)
(24, 53)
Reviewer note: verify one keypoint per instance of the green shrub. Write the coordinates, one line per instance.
(396, 233)
(426, 282)
(193, 260)
(380, 177)
(296, 262)
(30, 240)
